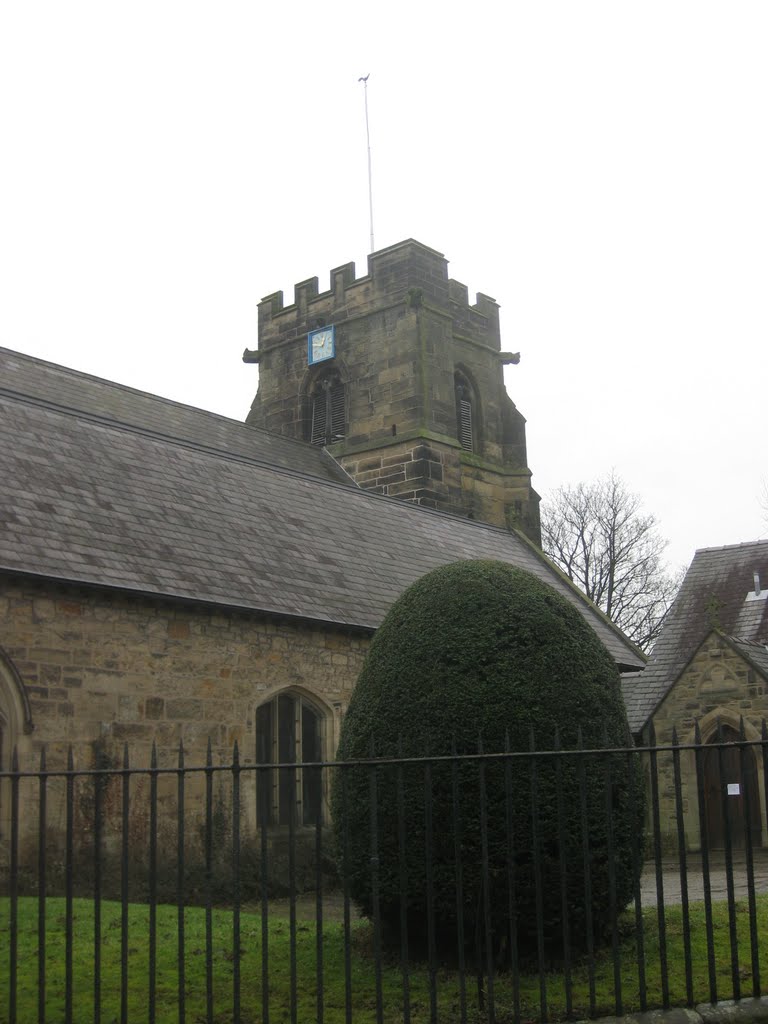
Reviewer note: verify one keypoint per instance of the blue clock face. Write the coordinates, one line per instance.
(321, 345)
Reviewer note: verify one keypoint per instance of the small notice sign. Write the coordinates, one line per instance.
(734, 789)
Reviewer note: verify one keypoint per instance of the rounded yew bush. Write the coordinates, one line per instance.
(482, 652)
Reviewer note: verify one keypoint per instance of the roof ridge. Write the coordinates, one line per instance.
(733, 547)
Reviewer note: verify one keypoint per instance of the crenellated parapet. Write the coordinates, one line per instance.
(408, 274)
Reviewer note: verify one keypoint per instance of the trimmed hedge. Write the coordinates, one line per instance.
(483, 649)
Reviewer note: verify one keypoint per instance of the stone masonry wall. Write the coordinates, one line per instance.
(441, 476)
(102, 668)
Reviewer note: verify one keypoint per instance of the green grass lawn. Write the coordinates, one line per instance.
(363, 986)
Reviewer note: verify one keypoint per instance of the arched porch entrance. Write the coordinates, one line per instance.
(729, 776)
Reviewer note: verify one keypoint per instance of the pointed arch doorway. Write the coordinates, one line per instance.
(724, 779)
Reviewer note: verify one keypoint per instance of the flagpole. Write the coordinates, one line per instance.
(364, 80)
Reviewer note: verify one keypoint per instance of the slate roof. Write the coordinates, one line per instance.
(714, 595)
(93, 500)
(755, 653)
(58, 386)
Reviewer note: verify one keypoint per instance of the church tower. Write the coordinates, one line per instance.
(401, 379)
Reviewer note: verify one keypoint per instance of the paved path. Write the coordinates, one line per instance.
(717, 878)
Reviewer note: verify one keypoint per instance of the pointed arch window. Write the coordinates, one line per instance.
(328, 412)
(15, 724)
(4, 766)
(466, 408)
(289, 731)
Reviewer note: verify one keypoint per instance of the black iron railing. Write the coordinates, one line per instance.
(167, 892)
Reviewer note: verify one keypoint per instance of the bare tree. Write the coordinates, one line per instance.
(600, 538)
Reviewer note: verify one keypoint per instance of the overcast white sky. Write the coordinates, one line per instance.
(600, 168)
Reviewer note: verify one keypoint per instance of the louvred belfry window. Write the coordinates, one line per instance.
(328, 411)
(464, 426)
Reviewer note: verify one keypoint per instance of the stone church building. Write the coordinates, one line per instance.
(171, 576)
(708, 676)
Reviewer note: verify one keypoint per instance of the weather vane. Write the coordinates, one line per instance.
(364, 80)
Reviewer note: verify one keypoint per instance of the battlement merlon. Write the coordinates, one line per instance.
(392, 274)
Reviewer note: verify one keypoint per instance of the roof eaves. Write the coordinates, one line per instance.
(677, 674)
(208, 601)
(733, 642)
(743, 649)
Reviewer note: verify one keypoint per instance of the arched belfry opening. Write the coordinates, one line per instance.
(327, 408)
(467, 412)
